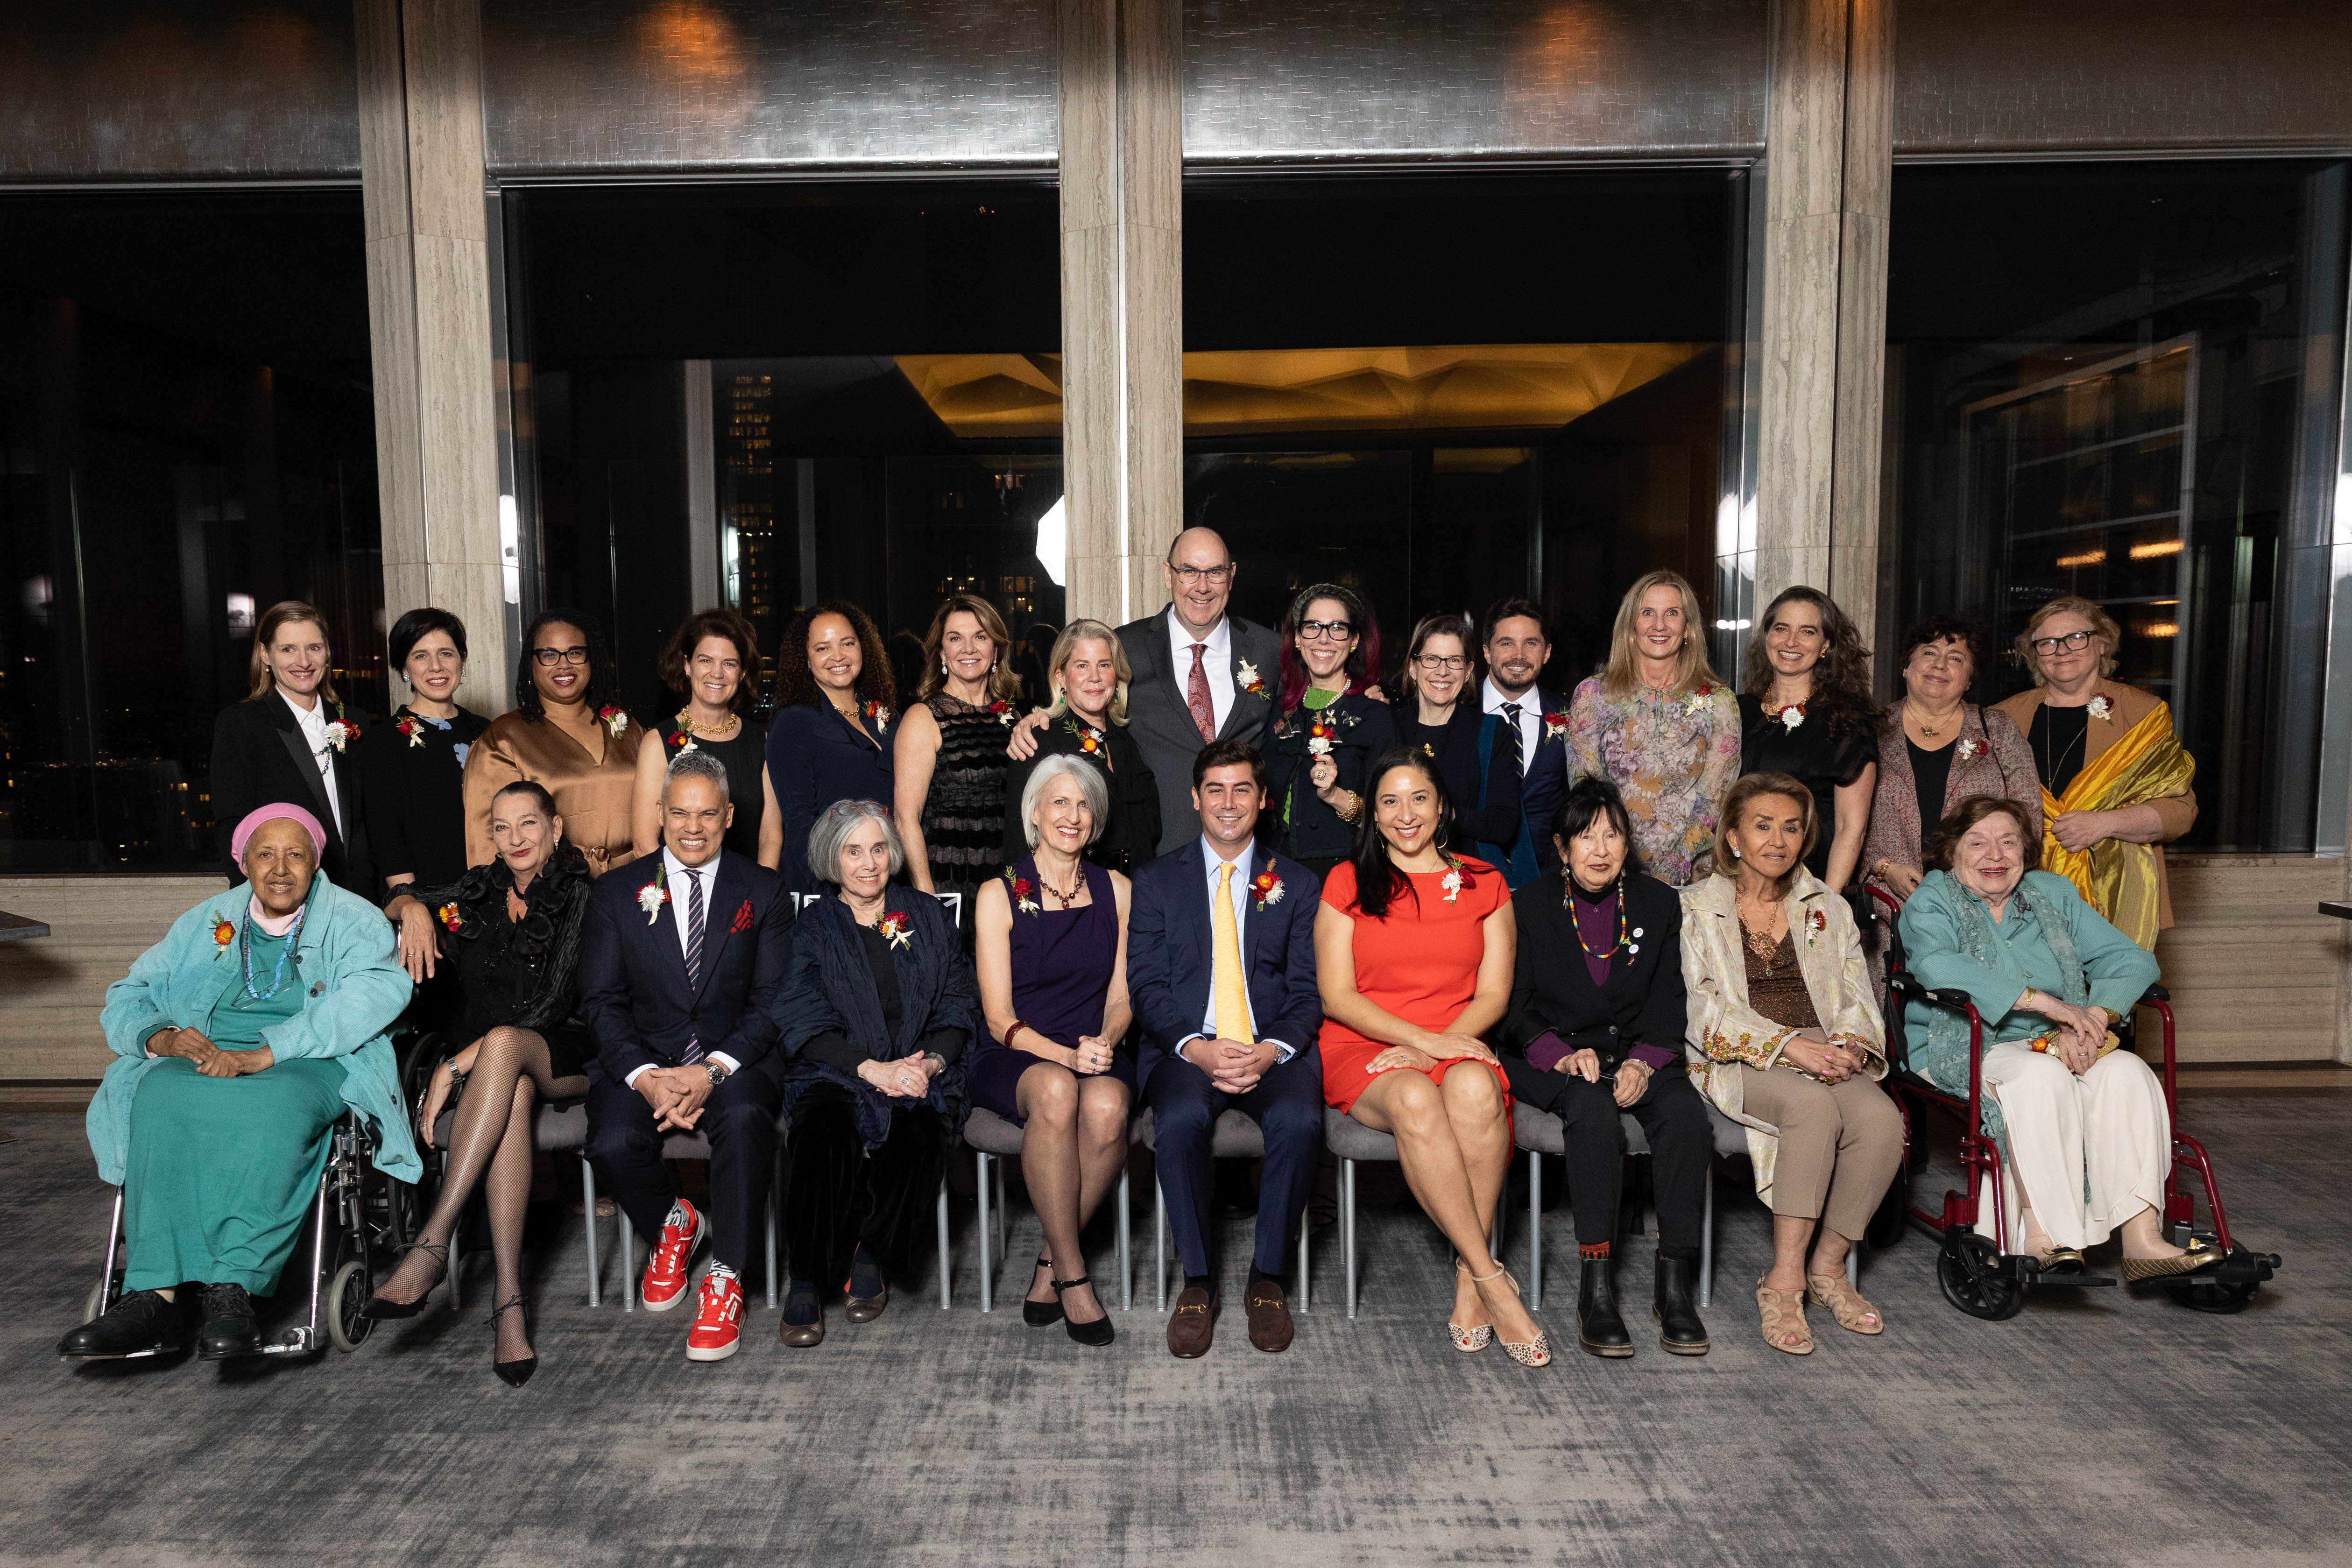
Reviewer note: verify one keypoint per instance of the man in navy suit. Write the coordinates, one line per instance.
(1517, 650)
(680, 966)
(1220, 962)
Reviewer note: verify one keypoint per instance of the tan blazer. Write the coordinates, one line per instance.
(2131, 704)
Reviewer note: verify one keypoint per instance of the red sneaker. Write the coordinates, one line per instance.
(718, 1318)
(665, 1282)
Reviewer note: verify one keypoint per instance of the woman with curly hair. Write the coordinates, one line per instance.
(830, 740)
(569, 734)
(1806, 711)
(1328, 727)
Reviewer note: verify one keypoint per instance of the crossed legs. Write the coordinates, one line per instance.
(1072, 1147)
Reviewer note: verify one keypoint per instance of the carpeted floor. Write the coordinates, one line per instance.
(2104, 1427)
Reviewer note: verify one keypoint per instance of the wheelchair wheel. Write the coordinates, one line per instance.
(347, 1325)
(1973, 1280)
(2220, 1297)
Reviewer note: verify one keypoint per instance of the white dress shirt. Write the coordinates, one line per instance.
(1530, 716)
(1218, 662)
(676, 873)
(312, 722)
(1240, 895)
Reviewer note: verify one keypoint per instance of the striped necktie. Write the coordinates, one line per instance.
(693, 954)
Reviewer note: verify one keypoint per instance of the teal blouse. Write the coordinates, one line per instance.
(2119, 971)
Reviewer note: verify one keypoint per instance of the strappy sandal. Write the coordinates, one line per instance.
(1468, 1341)
(1043, 1314)
(1784, 1319)
(513, 1374)
(1536, 1352)
(1845, 1304)
(1094, 1334)
(382, 1308)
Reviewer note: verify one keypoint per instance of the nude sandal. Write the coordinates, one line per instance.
(1469, 1340)
(1784, 1319)
(1852, 1312)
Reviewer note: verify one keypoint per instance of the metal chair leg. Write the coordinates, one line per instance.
(588, 1221)
(987, 1278)
(769, 1226)
(1159, 1245)
(1706, 1247)
(1126, 1259)
(1306, 1288)
(1535, 1231)
(1347, 1226)
(106, 1271)
(628, 1264)
(1854, 1264)
(945, 1298)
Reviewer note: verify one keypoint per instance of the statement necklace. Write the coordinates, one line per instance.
(1625, 938)
(278, 976)
(708, 731)
(1066, 899)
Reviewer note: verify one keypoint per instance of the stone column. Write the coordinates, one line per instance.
(436, 372)
(1828, 172)
(1122, 300)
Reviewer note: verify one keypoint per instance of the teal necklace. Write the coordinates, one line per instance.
(245, 954)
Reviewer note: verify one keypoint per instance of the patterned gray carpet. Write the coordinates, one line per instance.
(2105, 1427)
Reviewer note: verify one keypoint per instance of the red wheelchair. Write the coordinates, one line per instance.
(1982, 1277)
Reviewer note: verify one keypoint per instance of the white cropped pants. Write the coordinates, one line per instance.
(2087, 1153)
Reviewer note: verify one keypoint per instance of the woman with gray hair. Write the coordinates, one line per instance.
(1052, 984)
(1089, 721)
(878, 1009)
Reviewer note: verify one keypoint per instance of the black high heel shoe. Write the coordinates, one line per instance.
(380, 1309)
(513, 1374)
(1043, 1314)
(1096, 1333)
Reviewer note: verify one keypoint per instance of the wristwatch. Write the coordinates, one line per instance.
(717, 1074)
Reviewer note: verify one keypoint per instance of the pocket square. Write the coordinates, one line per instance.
(742, 917)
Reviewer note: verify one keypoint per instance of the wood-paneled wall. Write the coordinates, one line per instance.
(51, 987)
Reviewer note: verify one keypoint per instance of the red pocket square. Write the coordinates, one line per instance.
(742, 917)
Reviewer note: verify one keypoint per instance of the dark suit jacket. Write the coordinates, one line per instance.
(1486, 803)
(1172, 955)
(815, 759)
(1644, 1002)
(1131, 836)
(632, 988)
(1545, 784)
(1162, 726)
(259, 758)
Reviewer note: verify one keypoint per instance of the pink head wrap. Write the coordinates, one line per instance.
(261, 813)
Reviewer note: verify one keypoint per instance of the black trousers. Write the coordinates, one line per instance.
(740, 1120)
(843, 1197)
(1682, 1143)
(1288, 1106)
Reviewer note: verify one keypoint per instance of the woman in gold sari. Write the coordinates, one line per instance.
(2114, 777)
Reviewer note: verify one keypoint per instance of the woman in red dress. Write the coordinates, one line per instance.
(1413, 948)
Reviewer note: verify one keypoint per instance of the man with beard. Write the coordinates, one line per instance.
(1514, 653)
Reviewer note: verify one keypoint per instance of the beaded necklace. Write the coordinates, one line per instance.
(278, 976)
(1568, 902)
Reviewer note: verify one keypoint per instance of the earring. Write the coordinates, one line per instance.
(1735, 852)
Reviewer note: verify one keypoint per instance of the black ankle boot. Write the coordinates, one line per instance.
(1598, 1328)
(1680, 1332)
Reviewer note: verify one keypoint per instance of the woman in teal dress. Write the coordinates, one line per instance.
(239, 1039)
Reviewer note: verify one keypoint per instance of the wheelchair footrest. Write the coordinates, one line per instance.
(2031, 1272)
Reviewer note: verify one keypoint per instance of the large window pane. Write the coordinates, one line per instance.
(184, 389)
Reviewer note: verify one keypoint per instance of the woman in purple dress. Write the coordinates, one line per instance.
(1052, 936)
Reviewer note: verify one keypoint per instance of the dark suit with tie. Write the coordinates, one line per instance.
(1641, 1011)
(260, 757)
(1171, 971)
(645, 1012)
(1162, 723)
(1543, 781)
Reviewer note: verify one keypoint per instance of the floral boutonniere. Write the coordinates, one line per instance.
(1267, 887)
(892, 927)
(1815, 924)
(341, 731)
(450, 916)
(615, 720)
(1024, 895)
(1790, 716)
(1247, 680)
(1555, 726)
(1004, 711)
(1453, 881)
(1696, 698)
(682, 743)
(1318, 738)
(224, 933)
(879, 715)
(654, 894)
(742, 918)
(1090, 739)
(1969, 746)
(2102, 709)
(414, 728)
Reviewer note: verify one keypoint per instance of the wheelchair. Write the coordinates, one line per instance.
(1981, 1276)
(356, 1217)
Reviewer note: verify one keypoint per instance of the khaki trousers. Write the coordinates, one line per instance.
(1839, 1144)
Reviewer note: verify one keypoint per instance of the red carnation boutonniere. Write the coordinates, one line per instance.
(224, 933)
(1555, 726)
(614, 719)
(1004, 711)
(450, 916)
(1024, 896)
(414, 728)
(742, 918)
(1815, 924)
(1697, 698)
(892, 927)
(879, 715)
(1267, 886)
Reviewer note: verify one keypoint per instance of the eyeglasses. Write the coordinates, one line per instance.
(2072, 642)
(551, 656)
(1193, 576)
(1316, 631)
(1453, 662)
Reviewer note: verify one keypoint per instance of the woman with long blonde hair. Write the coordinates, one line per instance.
(1660, 724)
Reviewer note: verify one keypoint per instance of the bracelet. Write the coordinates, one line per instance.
(1011, 1029)
(1352, 810)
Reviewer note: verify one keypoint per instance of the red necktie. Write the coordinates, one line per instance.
(1196, 696)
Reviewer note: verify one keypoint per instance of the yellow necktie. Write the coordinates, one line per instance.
(1232, 999)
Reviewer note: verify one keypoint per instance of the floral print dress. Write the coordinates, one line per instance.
(1672, 756)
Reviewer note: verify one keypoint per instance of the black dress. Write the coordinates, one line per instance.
(1813, 753)
(817, 756)
(1492, 822)
(745, 757)
(523, 974)
(963, 814)
(413, 770)
(260, 758)
(1131, 836)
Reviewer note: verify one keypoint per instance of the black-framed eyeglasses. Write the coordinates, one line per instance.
(1191, 576)
(2072, 642)
(1454, 662)
(551, 656)
(1337, 631)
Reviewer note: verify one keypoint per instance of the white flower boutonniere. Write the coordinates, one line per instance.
(654, 895)
(1269, 889)
(1245, 679)
(1696, 699)
(341, 733)
(1969, 746)
(2102, 709)
(616, 717)
(1452, 881)
(1791, 716)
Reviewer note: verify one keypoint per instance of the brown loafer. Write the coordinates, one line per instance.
(1193, 1321)
(1269, 1315)
(865, 1309)
(802, 1334)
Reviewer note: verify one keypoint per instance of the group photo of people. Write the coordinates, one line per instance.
(1320, 872)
